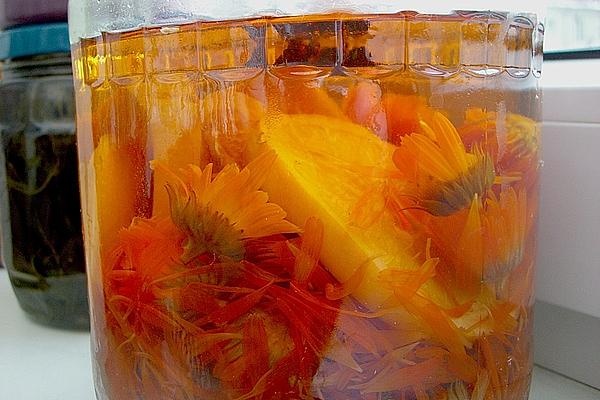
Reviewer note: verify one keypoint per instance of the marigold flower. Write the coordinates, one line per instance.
(218, 213)
(488, 241)
(444, 177)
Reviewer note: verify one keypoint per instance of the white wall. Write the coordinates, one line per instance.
(569, 237)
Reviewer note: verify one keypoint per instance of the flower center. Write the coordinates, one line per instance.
(208, 232)
(449, 197)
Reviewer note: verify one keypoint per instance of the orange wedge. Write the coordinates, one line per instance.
(324, 167)
(114, 192)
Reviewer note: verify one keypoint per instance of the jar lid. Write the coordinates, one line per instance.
(32, 40)
(26, 12)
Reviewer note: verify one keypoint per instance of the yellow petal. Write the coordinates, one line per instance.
(450, 143)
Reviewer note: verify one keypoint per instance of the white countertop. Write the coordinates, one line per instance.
(38, 363)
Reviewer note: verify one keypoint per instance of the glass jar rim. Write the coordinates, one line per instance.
(88, 19)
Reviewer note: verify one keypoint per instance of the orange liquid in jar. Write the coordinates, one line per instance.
(333, 207)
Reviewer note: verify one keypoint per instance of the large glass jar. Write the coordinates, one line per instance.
(42, 244)
(302, 202)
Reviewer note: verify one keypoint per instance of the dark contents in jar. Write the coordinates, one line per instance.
(48, 268)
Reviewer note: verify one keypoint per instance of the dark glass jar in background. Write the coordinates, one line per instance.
(41, 220)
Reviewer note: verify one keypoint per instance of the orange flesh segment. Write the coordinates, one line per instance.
(320, 171)
(113, 171)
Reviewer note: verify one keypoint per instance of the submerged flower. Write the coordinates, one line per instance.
(488, 241)
(444, 177)
(259, 334)
(505, 224)
(218, 214)
(512, 140)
